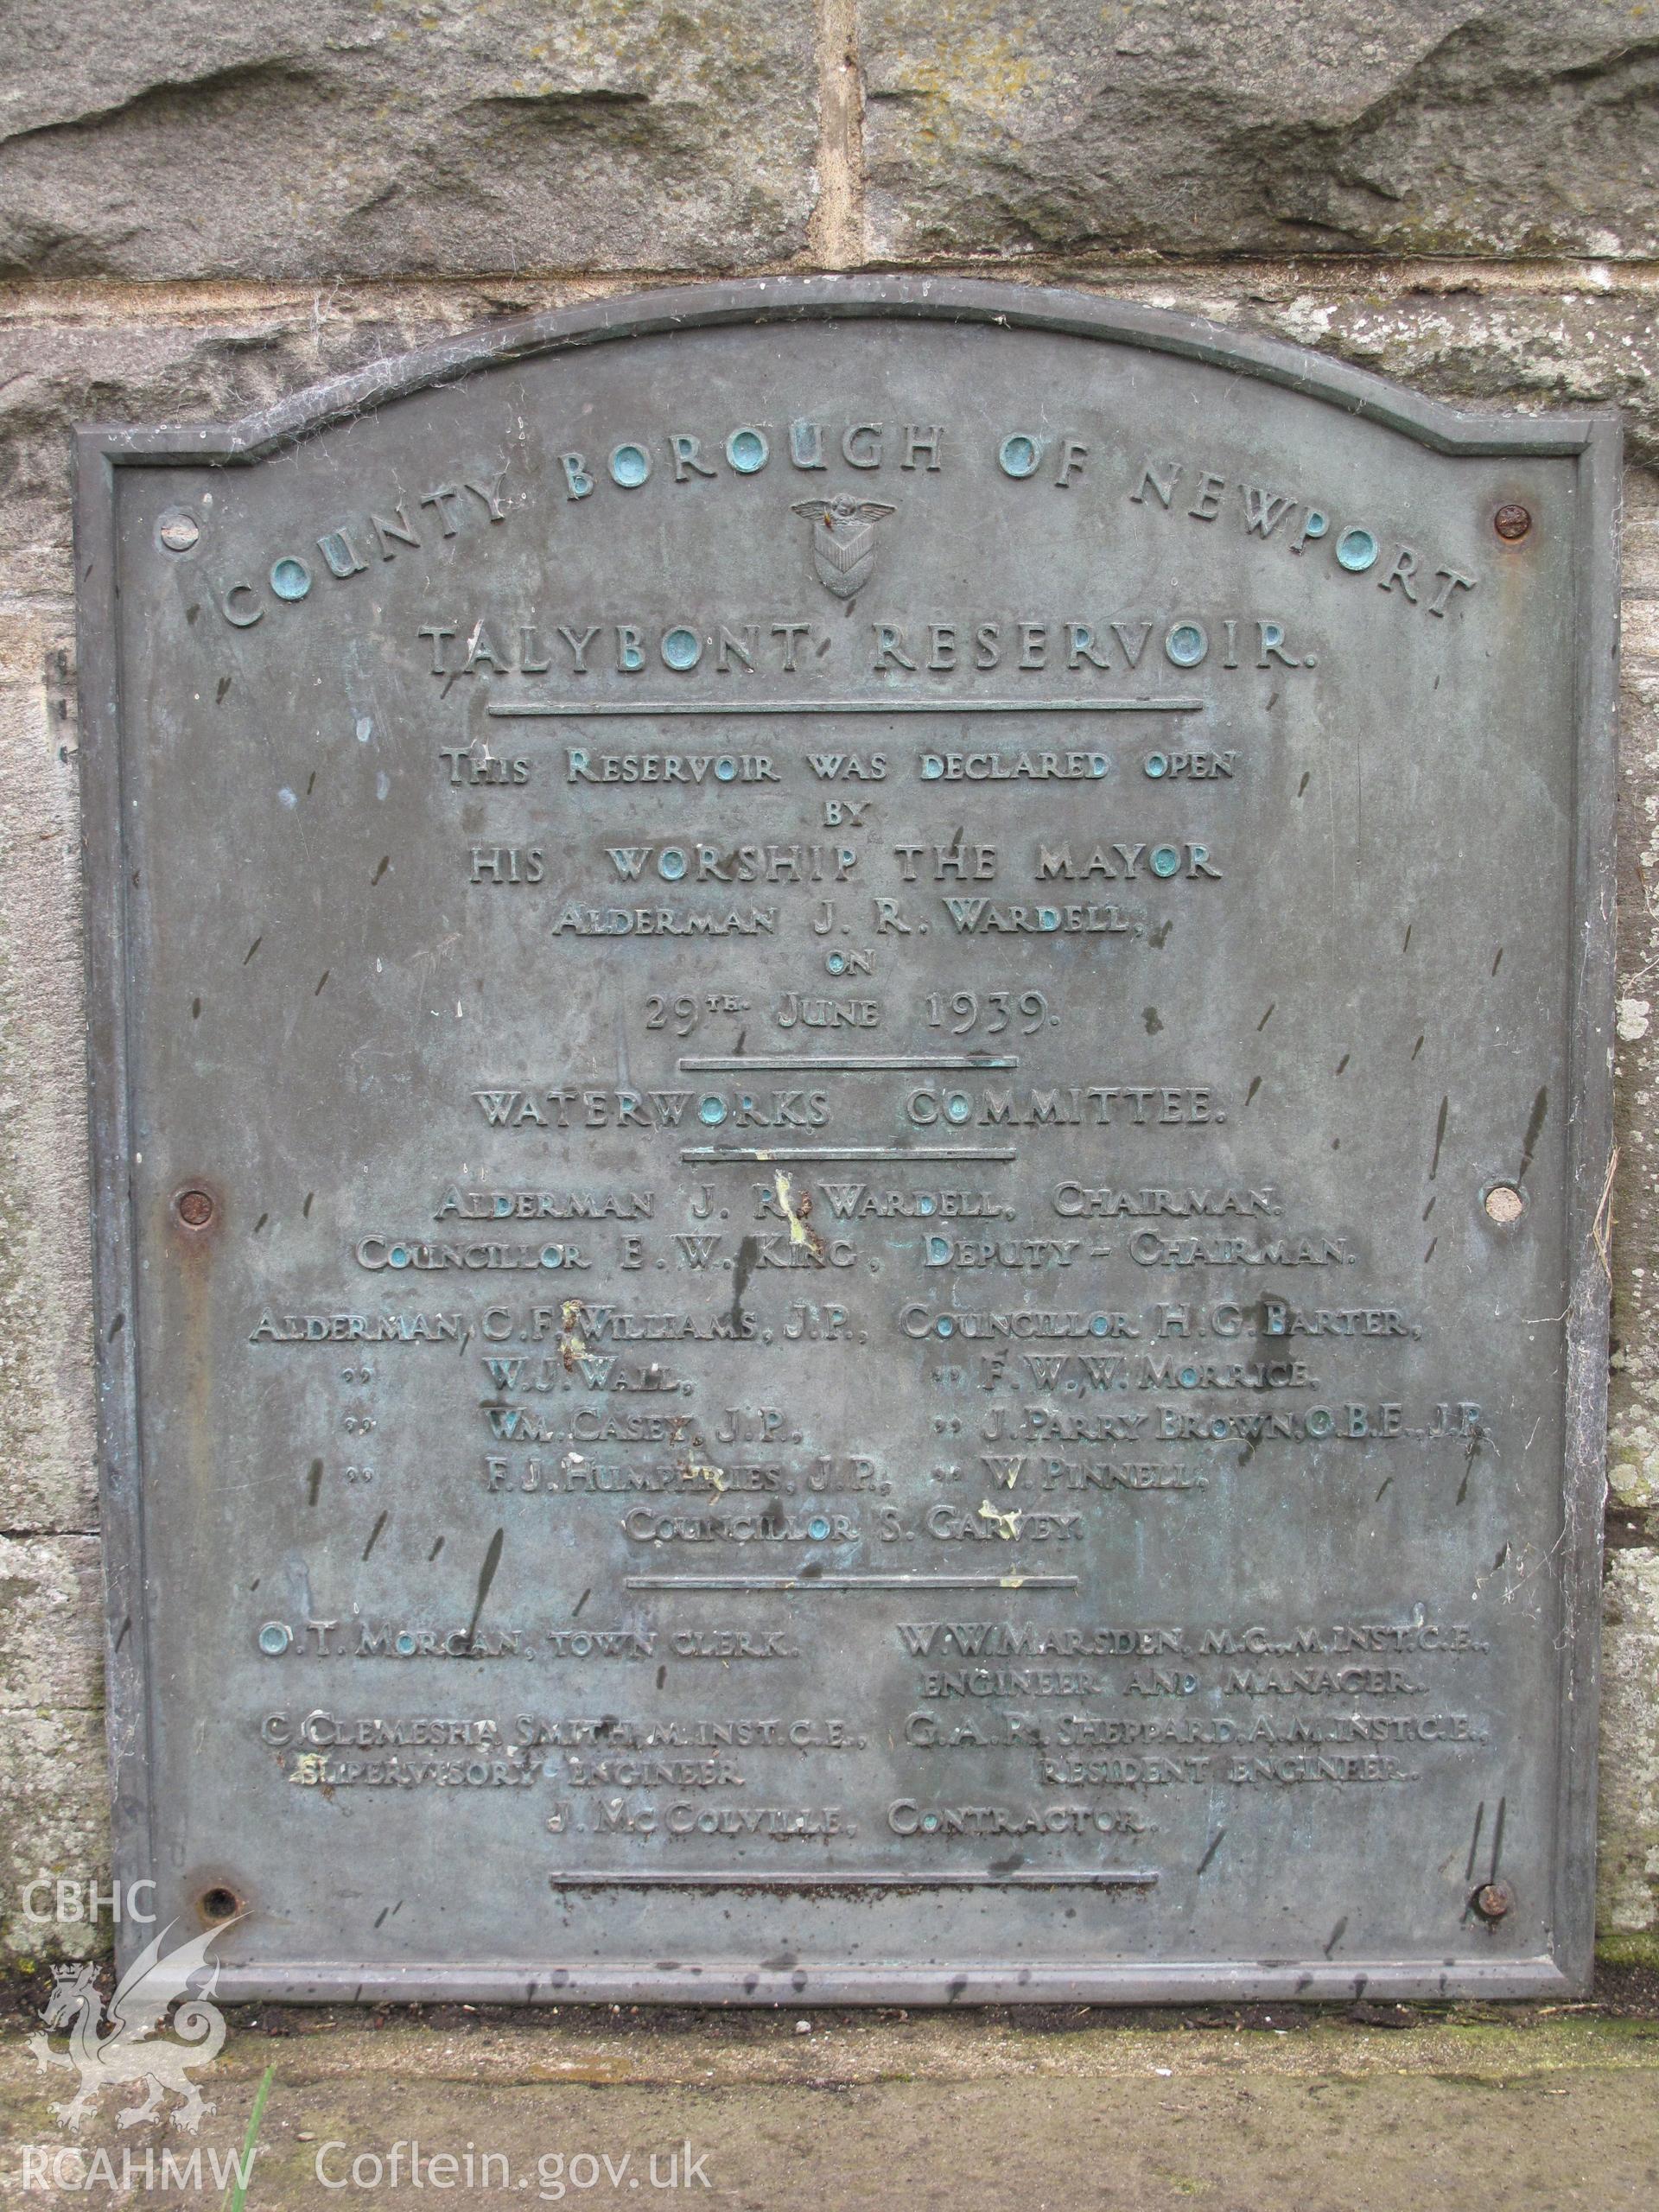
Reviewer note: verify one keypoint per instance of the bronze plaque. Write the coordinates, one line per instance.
(851, 1070)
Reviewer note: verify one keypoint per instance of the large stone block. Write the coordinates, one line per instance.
(187, 138)
(54, 1822)
(1628, 1900)
(52, 1597)
(47, 1477)
(54, 1775)
(1204, 126)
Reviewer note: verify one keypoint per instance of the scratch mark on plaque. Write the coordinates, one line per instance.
(1428, 1209)
(314, 1482)
(1535, 1130)
(1439, 1138)
(1336, 1935)
(1481, 1435)
(1005, 1525)
(1498, 959)
(1344, 1061)
(1497, 1837)
(1255, 1085)
(694, 1470)
(486, 1576)
(575, 1610)
(1418, 1046)
(1429, 1254)
(121, 1638)
(374, 1532)
(435, 1549)
(1377, 1500)
(1266, 1018)
(252, 950)
(322, 979)
(1214, 1846)
(742, 1269)
(1405, 943)
(386, 862)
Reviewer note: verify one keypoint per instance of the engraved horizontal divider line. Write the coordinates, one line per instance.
(850, 1581)
(845, 1062)
(1094, 1877)
(715, 1155)
(511, 710)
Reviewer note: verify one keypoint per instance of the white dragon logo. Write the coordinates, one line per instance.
(126, 2054)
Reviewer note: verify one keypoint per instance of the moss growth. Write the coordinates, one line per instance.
(1625, 1948)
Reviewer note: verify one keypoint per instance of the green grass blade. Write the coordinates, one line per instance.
(236, 2196)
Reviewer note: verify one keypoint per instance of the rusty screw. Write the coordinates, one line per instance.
(1505, 1203)
(1512, 524)
(1493, 1900)
(196, 1208)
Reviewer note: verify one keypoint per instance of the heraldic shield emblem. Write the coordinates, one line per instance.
(843, 539)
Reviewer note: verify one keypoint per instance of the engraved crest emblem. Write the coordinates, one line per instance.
(843, 539)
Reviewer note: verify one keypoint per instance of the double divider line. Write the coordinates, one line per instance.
(845, 1062)
(807, 1581)
(522, 709)
(725, 1155)
(1092, 1878)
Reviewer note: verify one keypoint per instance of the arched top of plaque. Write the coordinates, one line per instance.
(759, 302)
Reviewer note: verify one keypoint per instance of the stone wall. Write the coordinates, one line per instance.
(203, 206)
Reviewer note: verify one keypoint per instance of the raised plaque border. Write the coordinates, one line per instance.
(1591, 438)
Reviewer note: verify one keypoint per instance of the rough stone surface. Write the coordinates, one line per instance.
(53, 1784)
(47, 1471)
(317, 138)
(1629, 1903)
(1227, 126)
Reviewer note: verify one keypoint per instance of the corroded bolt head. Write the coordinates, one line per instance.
(196, 1208)
(179, 532)
(1504, 1205)
(1493, 1900)
(1512, 524)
